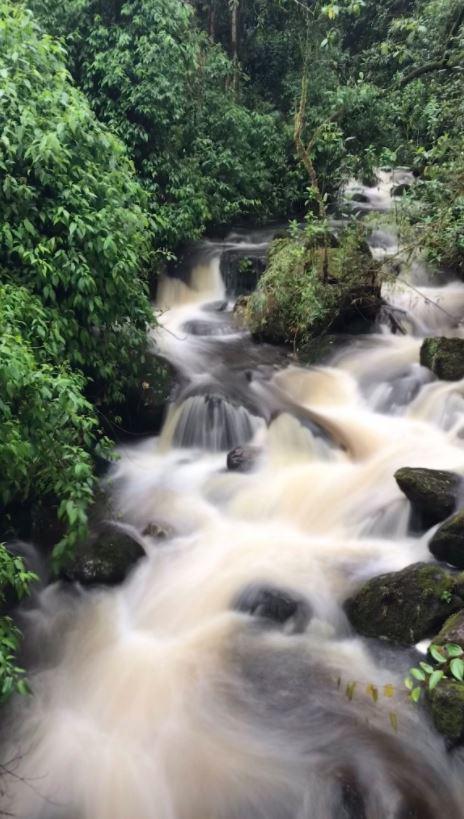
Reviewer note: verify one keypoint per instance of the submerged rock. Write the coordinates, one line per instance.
(400, 190)
(155, 530)
(447, 544)
(105, 560)
(446, 706)
(275, 605)
(431, 492)
(242, 458)
(444, 356)
(407, 606)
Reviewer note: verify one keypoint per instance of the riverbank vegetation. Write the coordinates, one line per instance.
(128, 128)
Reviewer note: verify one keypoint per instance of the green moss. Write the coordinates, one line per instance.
(444, 356)
(306, 290)
(432, 492)
(446, 706)
(407, 606)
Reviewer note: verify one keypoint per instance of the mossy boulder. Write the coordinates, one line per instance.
(431, 492)
(444, 356)
(306, 289)
(407, 606)
(446, 707)
(447, 544)
(452, 630)
(105, 559)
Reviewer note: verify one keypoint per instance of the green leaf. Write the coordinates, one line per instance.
(426, 667)
(415, 694)
(435, 678)
(418, 674)
(453, 650)
(437, 653)
(457, 668)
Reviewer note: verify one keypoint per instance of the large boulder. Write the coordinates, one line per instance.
(431, 492)
(444, 356)
(447, 544)
(407, 606)
(446, 706)
(105, 559)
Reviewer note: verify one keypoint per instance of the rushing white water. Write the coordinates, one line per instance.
(164, 698)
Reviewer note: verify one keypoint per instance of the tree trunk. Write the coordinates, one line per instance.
(234, 41)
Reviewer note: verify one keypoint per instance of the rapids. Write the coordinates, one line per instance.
(163, 698)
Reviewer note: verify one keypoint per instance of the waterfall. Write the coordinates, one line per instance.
(163, 698)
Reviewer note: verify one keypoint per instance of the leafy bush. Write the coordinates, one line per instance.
(73, 310)
(166, 90)
(73, 221)
(14, 580)
(448, 665)
(306, 289)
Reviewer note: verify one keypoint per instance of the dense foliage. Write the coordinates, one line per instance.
(73, 311)
(14, 583)
(154, 77)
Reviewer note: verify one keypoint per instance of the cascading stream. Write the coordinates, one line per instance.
(163, 698)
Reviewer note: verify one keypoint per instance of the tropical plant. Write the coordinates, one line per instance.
(449, 664)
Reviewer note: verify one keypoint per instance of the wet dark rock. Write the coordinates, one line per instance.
(275, 605)
(447, 544)
(241, 271)
(105, 559)
(155, 530)
(446, 707)
(431, 492)
(200, 327)
(452, 630)
(400, 190)
(360, 197)
(144, 409)
(318, 350)
(240, 311)
(407, 606)
(215, 306)
(444, 356)
(242, 458)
